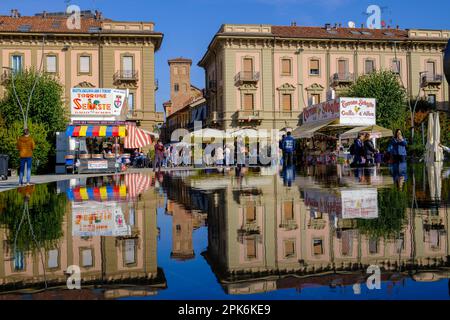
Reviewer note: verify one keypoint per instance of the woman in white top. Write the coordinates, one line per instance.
(227, 155)
(219, 156)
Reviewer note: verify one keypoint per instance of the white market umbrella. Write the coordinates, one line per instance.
(429, 148)
(434, 171)
(208, 133)
(251, 133)
(438, 152)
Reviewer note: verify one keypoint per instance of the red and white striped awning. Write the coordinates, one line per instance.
(138, 138)
(136, 184)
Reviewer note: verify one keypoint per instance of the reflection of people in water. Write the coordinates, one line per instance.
(399, 173)
(288, 175)
(26, 192)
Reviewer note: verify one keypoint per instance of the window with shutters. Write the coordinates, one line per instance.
(342, 68)
(286, 67)
(17, 63)
(395, 67)
(250, 213)
(127, 66)
(369, 66)
(84, 64)
(248, 102)
(251, 249)
(315, 98)
(314, 67)
(50, 64)
(176, 87)
(317, 246)
(289, 248)
(288, 210)
(286, 99)
(430, 69)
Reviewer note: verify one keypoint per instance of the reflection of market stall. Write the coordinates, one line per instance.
(329, 127)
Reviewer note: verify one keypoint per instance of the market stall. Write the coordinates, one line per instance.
(100, 138)
(329, 128)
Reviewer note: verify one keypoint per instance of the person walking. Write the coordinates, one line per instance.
(288, 149)
(397, 147)
(280, 147)
(219, 156)
(159, 156)
(25, 145)
(227, 155)
(357, 151)
(369, 150)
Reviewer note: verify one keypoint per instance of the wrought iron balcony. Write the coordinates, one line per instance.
(289, 224)
(342, 78)
(433, 79)
(126, 75)
(246, 77)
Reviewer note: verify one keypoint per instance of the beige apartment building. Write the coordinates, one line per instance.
(102, 53)
(263, 76)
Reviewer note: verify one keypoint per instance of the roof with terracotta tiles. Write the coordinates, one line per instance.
(339, 33)
(39, 24)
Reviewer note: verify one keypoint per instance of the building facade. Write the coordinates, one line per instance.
(263, 76)
(187, 103)
(102, 53)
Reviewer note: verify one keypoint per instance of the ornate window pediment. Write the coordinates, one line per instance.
(248, 87)
(85, 84)
(286, 87)
(315, 87)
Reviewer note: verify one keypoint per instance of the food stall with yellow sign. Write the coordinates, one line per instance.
(97, 130)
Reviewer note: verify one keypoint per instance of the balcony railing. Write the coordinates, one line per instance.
(431, 79)
(246, 76)
(249, 115)
(346, 77)
(289, 224)
(126, 75)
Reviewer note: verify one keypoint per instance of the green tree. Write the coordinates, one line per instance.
(8, 144)
(46, 115)
(46, 104)
(392, 111)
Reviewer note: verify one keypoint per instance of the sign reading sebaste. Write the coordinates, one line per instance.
(349, 111)
(97, 101)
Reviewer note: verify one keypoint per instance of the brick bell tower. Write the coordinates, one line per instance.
(180, 82)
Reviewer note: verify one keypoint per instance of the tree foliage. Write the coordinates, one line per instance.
(8, 144)
(384, 86)
(46, 115)
(46, 214)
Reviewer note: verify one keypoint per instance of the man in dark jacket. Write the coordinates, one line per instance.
(369, 150)
(358, 151)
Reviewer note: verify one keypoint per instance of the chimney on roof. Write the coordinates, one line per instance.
(15, 13)
(340, 25)
(44, 14)
(98, 15)
(328, 26)
(362, 25)
(398, 27)
(293, 24)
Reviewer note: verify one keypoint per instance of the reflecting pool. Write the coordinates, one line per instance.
(255, 233)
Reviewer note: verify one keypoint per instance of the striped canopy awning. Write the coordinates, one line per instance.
(138, 138)
(96, 131)
(106, 193)
(137, 183)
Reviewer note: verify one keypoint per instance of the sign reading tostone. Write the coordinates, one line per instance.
(97, 101)
(349, 111)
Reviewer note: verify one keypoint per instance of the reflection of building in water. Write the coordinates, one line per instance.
(266, 236)
(185, 218)
(125, 265)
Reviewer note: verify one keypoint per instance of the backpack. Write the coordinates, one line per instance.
(352, 149)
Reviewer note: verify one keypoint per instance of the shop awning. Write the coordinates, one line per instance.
(376, 131)
(106, 193)
(138, 138)
(308, 130)
(96, 131)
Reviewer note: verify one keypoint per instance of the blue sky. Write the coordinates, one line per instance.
(189, 25)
